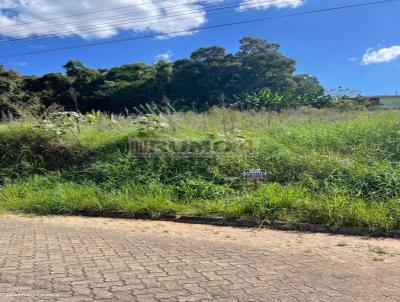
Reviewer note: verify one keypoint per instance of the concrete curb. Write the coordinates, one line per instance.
(277, 225)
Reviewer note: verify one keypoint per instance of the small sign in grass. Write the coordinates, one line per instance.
(255, 175)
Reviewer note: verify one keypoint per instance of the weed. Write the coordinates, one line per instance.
(308, 250)
(378, 250)
(324, 166)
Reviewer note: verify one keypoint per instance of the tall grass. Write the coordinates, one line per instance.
(325, 166)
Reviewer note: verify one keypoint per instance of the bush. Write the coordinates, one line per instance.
(324, 167)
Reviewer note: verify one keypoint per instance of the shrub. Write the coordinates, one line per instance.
(323, 167)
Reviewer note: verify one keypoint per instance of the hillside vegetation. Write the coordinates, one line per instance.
(211, 76)
(325, 166)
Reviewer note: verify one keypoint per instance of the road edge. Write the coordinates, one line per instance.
(277, 225)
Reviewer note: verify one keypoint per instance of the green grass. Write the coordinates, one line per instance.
(326, 167)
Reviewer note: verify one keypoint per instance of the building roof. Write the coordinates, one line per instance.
(381, 96)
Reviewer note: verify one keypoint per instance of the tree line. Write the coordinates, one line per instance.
(258, 75)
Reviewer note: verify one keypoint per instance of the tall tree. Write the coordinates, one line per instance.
(10, 86)
(208, 74)
(51, 88)
(307, 85)
(263, 66)
(85, 83)
(199, 81)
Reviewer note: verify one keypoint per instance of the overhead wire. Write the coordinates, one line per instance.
(310, 12)
(187, 12)
(86, 13)
(139, 22)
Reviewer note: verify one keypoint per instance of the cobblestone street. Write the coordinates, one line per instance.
(96, 259)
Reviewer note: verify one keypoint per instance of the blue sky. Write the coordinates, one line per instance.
(357, 48)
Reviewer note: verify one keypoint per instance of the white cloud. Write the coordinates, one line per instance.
(257, 4)
(382, 55)
(140, 16)
(166, 56)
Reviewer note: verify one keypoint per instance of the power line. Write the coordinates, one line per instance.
(121, 15)
(197, 29)
(83, 14)
(213, 11)
(234, 5)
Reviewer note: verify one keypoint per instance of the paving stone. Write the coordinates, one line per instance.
(85, 259)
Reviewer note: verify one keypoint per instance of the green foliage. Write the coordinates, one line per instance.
(60, 123)
(192, 189)
(307, 86)
(10, 86)
(273, 202)
(325, 166)
(50, 88)
(149, 125)
(263, 99)
(210, 77)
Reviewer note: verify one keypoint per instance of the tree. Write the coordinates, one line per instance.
(252, 46)
(307, 85)
(209, 55)
(137, 72)
(128, 86)
(10, 86)
(196, 82)
(202, 79)
(50, 88)
(85, 83)
(263, 66)
(162, 80)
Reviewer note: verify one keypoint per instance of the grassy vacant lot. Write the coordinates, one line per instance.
(325, 166)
